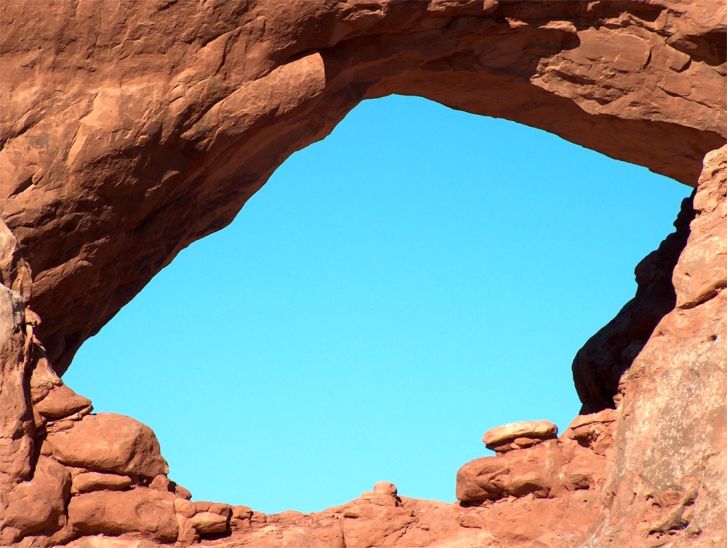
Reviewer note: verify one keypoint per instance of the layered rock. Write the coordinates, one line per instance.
(519, 435)
(118, 122)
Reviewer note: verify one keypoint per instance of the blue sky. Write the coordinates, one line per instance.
(394, 291)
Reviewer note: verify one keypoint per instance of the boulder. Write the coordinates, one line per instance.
(36, 506)
(210, 523)
(519, 435)
(141, 510)
(97, 481)
(61, 402)
(109, 443)
(513, 474)
(594, 430)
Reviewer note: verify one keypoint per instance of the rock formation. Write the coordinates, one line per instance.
(128, 130)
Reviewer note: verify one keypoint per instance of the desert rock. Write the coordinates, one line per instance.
(38, 505)
(140, 510)
(61, 402)
(518, 435)
(95, 481)
(109, 443)
(118, 122)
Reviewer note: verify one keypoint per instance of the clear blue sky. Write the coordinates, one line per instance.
(394, 291)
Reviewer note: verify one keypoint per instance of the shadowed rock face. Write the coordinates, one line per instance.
(599, 365)
(129, 131)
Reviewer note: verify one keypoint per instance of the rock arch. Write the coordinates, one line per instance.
(130, 131)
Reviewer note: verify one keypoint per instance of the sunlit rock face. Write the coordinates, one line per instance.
(127, 133)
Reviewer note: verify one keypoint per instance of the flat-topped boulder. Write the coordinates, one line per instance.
(519, 435)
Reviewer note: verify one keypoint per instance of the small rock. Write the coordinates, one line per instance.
(594, 430)
(515, 474)
(181, 491)
(385, 488)
(96, 481)
(161, 483)
(42, 380)
(241, 512)
(214, 507)
(209, 523)
(61, 402)
(518, 435)
(184, 507)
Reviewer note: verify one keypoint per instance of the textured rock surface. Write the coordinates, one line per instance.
(119, 120)
(518, 435)
(108, 443)
(546, 470)
(671, 457)
(141, 510)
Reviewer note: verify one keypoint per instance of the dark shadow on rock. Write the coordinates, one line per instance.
(600, 363)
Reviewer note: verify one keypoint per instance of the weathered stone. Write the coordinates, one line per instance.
(672, 432)
(162, 483)
(141, 510)
(214, 507)
(37, 506)
(594, 430)
(385, 488)
(184, 507)
(168, 110)
(102, 541)
(210, 523)
(109, 443)
(241, 512)
(95, 481)
(181, 491)
(701, 272)
(530, 432)
(61, 402)
(139, 155)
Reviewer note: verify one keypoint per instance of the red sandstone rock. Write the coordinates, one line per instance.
(36, 506)
(210, 523)
(519, 435)
(594, 430)
(672, 433)
(219, 94)
(61, 402)
(545, 470)
(146, 511)
(117, 122)
(109, 443)
(95, 481)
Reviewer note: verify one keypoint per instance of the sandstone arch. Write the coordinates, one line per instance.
(130, 130)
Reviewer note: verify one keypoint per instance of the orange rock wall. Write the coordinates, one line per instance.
(128, 130)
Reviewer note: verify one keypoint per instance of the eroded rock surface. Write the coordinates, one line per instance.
(519, 435)
(107, 443)
(118, 121)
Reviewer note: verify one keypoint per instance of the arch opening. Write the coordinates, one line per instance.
(156, 123)
(410, 281)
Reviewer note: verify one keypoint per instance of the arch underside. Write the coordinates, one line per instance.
(128, 134)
